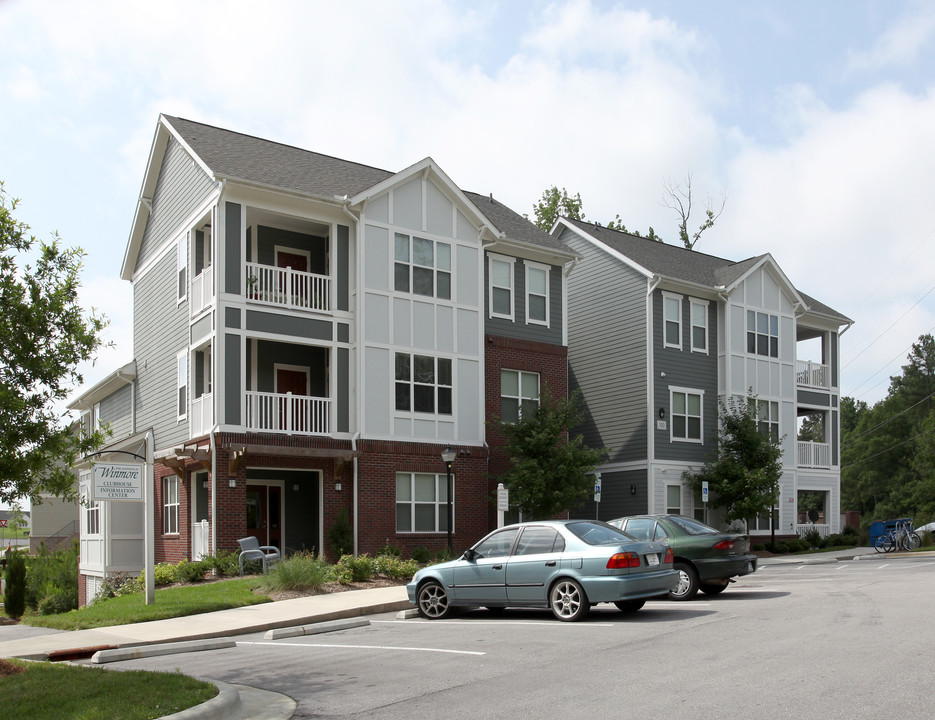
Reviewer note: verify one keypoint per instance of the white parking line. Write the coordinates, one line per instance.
(880, 567)
(364, 647)
(547, 623)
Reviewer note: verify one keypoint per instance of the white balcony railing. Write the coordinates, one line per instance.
(823, 530)
(202, 419)
(812, 374)
(286, 287)
(290, 414)
(814, 455)
(203, 290)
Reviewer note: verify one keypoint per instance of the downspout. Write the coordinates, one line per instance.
(355, 492)
(214, 505)
(650, 387)
(355, 221)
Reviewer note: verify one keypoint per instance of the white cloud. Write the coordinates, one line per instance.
(900, 44)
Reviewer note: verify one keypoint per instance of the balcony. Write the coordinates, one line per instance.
(288, 288)
(202, 415)
(202, 290)
(287, 413)
(812, 374)
(814, 455)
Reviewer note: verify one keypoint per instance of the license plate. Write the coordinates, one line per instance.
(652, 559)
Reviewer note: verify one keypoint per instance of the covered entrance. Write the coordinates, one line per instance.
(265, 512)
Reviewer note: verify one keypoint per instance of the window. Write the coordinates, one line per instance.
(91, 508)
(767, 417)
(699, 507)
(423, 267)
(422, 502)
(762, 334)
(170, 505)
(182, 384)
(686, 415)
(537, 293)
(537, 540)
(699, 316)
(672, 320)
(673, 499)
(497, 545)
(501, 287)
(519, 394)
(423, 384)
(182, 264)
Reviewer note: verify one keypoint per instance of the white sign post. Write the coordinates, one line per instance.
(704, 498)
(118, 481)
(503, 503)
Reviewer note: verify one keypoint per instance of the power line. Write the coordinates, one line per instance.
(891, 326)
(885, 422)
(882, 452)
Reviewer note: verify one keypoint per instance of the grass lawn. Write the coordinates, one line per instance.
(51, 691)
(170, 602)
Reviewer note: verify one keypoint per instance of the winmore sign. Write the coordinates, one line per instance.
(118, 482)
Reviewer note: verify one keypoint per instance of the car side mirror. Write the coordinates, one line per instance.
(469, 554)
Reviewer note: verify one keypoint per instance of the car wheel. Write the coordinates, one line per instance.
(688, 583)
(568, 601)
(433, 601)
(629, 605)
(713, 588)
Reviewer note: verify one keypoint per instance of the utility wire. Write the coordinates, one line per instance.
(891, 326)
(883, 452)
(885, 422)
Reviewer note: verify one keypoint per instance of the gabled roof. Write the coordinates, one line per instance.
(232, 156)
(688, 266)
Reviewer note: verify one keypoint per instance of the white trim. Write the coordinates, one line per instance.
(665, 319)
(530, 265)
(181, 383)
(441, 480)
(181, 265)
(692, 304)
(511, 261)
(686, 391)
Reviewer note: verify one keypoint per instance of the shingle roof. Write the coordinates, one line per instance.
(514, 225)
(678, 263)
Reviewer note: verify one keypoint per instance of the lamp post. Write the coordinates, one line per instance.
(448, 456)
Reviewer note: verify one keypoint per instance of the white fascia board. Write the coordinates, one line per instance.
(531, 251)
(603, 246)
(117, 379)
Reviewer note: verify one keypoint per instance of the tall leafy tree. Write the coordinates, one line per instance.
(549, 468)
(556, 203)
(44, 336)
(744, 477)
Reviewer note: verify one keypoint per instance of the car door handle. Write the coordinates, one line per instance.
(498, 567)
(550, 563)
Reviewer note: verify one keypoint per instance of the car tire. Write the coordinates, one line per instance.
(688, 583)
(629, 606)
(432, 601)
(568, 601)
(713, 588)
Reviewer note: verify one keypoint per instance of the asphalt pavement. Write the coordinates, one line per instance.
(306, 615)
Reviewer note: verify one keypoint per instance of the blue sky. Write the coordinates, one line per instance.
(815, 118)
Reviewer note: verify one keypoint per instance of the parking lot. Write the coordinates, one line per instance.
(842, 639)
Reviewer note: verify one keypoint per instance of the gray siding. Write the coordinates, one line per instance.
(160, 332)
(289, 325)
(117, 413)
(607, 350)
(820, 399)
(618, 498)
(181, 188)
(315, 359)
(518, 328)
(233, 383)
(232, 259)
(344, 390)
(686, 369)
(342, 281)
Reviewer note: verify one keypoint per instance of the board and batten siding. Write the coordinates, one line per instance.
(518, 327)
(181, 188)
(685, 369)
(160, 332)
(607, 350)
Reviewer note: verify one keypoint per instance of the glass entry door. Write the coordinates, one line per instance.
(264, 513)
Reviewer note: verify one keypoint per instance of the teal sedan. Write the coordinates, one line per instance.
(564, 565)
(706, 559)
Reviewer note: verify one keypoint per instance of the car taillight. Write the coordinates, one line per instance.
(724, 545)
(623, 560)
(669, 556)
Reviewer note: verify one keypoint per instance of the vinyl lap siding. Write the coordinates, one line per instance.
(181, 188)
(116, 412)
(607, 350)
(519, 328)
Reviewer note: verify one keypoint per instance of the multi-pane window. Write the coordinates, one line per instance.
(673, 499)
(422, 267)
(170, 504)
(699, 511)
(519, 394)
(767, 417)
(699, 318)
(422, 502)
(182, 384)
(91, 508)
(181, 267)
(501, 287)
(762, 334)
(672, 320)
(537, 293)
(423, 384)
(686, 415)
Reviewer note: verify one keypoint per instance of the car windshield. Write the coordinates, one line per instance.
(693, 527)
(594, 533)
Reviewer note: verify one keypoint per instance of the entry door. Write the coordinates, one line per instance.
(295, 382)
(298, 288)
(264, 514)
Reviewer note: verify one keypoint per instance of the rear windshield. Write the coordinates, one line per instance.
(693, 527)
(595, 533)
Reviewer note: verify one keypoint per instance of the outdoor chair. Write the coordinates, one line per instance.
(250, 549)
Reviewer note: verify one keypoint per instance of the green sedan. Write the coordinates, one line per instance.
(707, 559)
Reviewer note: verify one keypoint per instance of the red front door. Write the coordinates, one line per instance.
(292, 411)
(264, 514)
(297, 284)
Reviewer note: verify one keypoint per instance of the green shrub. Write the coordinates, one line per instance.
(390, 550)
(51, 573)
(189, 571)
(223, 563)
(300, 571)
(813, 538)
(842, 540)
(340, 536)
(394, 567)
(361, 567)
(442, 556)
(163, 574)
(758, 547)
(421, 555)
(14, 601)
(119, 584)
(57, 602)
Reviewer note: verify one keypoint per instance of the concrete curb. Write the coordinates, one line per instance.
(223, 706)
(144, 651)
(316, 628)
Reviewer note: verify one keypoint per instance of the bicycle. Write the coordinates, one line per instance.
(900, 537)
